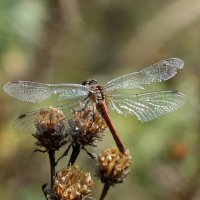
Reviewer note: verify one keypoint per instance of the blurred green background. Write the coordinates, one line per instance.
(69, 41)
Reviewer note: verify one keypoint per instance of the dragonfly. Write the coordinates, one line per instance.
(146, 106)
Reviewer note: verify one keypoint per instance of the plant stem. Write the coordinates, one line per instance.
(74, 155)
(44, 191)
(104, 192)
(64, 154)
(52, 165)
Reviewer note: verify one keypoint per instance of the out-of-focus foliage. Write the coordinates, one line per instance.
(70, 41)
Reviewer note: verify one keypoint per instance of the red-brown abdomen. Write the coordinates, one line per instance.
(102, 109)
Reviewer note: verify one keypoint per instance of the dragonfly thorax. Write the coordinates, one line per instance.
(95, 90)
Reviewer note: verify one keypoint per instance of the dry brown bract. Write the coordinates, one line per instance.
(113, 166)
(49, 119)
(86, 127)
(73, 184)
(50, 128)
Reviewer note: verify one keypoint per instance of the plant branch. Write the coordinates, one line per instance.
(74, 155)
(64, 154)
(52, 165)
(104, 192)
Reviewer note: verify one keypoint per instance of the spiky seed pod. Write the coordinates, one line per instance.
(86, 127)
(50, 128)
(73, 184)
(113, 166)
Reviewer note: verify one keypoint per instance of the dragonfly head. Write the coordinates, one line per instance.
(90, 82)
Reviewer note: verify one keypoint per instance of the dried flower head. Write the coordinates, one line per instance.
(73, 184)
(50, 128)
(113, 166)
(86, 127)
(49, 119)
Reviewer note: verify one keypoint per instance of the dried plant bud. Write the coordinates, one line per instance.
(113, 166)
(49, 120)
(50, 128)
(86, 127)
(72, 184)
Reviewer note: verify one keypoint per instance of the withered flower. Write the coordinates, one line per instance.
(50, 128)
(86, 127)
(113, 166)
(72, 184)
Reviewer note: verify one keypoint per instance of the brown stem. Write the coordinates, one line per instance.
(44, 190)
(74, 155)
(104, 192)
(52, 165)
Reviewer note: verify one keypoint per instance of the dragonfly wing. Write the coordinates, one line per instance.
(37, 92)
(160, 71)
(147, 106)
(25, 123)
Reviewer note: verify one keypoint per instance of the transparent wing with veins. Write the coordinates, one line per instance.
(160, 71)
(36, 92)
(147, 106)
(25, 123)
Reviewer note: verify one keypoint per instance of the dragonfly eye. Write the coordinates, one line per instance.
(92, 82)
(85, 82)
(89, 82)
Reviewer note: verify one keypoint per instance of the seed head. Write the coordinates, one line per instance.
(86, 127)
(73, 184)
(113, 166)
(49, 120)
(50, 128)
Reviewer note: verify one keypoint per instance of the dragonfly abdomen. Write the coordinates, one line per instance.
(102, 109)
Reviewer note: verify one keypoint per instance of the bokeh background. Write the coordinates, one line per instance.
(70, 41)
